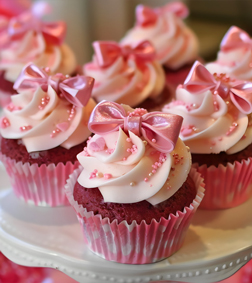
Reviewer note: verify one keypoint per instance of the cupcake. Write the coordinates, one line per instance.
(27, 38)
(43, 129)
(134, 194)
(217, 128)
(235, 55)
(176, 45)
(125, 74)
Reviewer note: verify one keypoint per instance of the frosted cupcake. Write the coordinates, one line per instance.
(217, 128)
(43, 129)
(235, 55)
(176, 45)
(27, 38)
(134, 195)
(125, 74)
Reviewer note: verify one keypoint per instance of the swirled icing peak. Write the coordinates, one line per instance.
(27, 38)
(49, 110)
(175, 44)
(134, 155)
(235, 55)
(216, 110)
(125, 74)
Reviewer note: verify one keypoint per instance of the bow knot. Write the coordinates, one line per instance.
(160, 130)
(107, 52)
(200, 80)
(235, 38)
(147, 16)
(76, 90)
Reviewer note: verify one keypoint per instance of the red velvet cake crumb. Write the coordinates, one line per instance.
(92, 200)
(14, 149)
(222, 157)
(5, 85)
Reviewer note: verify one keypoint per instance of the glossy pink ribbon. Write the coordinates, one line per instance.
(107, 52)
(160, 130)
(235, 38)
(147, 16)
(200, 80)
(76, 90)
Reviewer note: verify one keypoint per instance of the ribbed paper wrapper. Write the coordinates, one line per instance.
(226, 186)
(39, 185)
(134, 243)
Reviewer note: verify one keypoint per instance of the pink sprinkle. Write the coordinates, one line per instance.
(146, 179)
(25, 128)
(95, 171)
(153, 171)
(124, 158)
(153, 140)
(107, 176)
(4, 123)
(128, 139)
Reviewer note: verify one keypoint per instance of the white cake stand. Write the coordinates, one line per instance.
(217, 244)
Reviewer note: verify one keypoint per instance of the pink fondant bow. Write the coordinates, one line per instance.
(107, 52)
(235, 38)
(148, 16)
(161, 130)
(77, 90)
(200, 80)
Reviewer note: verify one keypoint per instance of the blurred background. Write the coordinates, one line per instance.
(90, 20)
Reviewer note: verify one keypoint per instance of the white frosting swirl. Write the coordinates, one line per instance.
(43, 120)
(126, 82)
(33, 48)
(175, 44)
(236, 63)
(123, 176)
(211, 124)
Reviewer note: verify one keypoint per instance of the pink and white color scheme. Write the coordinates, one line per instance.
(125, 74)
(175, 44)
(235, 55)
(131, 158)
(135, 243)
(49, 111)
(216, 111)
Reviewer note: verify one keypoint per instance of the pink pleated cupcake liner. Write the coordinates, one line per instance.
(39, 185)
(135, 243)
(226, 186)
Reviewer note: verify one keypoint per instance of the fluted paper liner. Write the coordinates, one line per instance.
(134, 243)
(226, 186)
(39, 185)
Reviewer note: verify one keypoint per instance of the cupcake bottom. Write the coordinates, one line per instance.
(228, 178)
(135, 243)
(39, 178)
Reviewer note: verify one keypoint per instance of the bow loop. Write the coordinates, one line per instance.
(159, 129)
(145, 16)
(177, 8)
(235, 38)
(107, 52)
(76, 90)
(200, 80)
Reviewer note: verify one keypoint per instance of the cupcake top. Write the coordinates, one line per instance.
(235, 55)
(175, 44)
(134, 155)
(216, 111)
(125, 74)
(26, 38)
(49, 110)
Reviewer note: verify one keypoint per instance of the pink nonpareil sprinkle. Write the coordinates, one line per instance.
(4, 123)
(107, 176)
